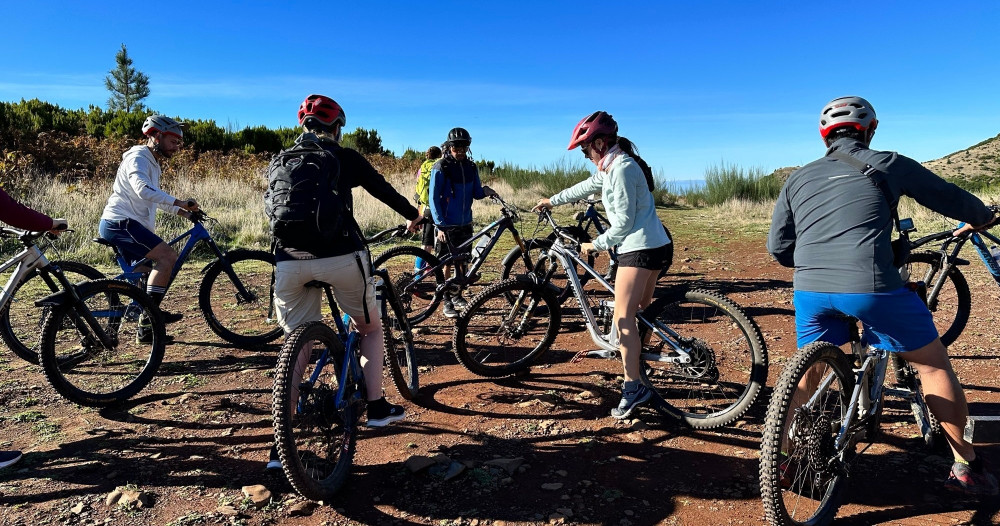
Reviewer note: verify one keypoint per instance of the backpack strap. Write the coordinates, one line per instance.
(869, 171)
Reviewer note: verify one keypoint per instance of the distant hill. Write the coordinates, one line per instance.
(979, 163)
(973, 167)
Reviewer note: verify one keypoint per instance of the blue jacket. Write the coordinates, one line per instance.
(454, 184)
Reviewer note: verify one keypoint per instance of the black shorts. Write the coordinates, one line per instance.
(650, 259)
(456, 235)
(427, 235)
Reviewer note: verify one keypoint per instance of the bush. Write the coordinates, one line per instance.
(726, 182)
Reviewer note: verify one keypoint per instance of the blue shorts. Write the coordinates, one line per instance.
(896, 321)
(132, 239)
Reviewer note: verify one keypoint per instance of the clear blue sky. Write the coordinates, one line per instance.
(691, 83)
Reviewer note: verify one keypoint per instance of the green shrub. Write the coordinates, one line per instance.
(726, 182)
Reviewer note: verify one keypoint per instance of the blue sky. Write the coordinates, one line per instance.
(693, 84)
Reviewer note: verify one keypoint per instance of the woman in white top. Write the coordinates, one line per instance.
(625, 182)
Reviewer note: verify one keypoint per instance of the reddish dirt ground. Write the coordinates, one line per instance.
(202, 430)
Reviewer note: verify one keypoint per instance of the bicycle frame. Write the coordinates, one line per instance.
(350, 363)
(495, 231)
(194, 235)
(31, 259)
(950, 249)
(567, 258)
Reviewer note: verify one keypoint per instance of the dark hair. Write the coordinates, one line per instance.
(433, 152)
(629, 148)
(846, 131)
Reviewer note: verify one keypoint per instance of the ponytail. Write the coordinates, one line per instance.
(629, 148)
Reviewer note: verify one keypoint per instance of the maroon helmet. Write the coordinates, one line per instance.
(594, 125)
(321, 109)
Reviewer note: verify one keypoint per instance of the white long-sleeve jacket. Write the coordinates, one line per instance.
(136, 192)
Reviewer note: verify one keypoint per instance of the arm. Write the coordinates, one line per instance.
(375, 184)
(579, 190)
(623, 197)
(19, 216)
(438, 200)
(781, 237)
(939, 195)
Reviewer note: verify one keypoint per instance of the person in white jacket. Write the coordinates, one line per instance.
(644, 248)
(129, 219)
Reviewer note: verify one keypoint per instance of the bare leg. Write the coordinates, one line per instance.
(164, 258)
(943, 393)
(630, 286)
(372, 355)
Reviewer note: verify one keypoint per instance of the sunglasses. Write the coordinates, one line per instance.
(459, 147)
(585, 148)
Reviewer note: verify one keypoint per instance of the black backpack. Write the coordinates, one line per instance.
(302, 201)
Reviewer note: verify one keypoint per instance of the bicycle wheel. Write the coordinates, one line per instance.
(495, 337)
(416, 290)
(314, 437)
(952, 304)
(21, 321)
(399, 351)
(802, 472)
(241, 319)
(84, 370)
(538, 252)
(728, 357)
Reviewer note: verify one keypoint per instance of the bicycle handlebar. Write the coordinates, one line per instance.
(389, 233)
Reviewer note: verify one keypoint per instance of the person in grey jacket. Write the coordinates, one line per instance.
(626, 183)
(833, 224)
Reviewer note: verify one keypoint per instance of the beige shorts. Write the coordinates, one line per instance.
(297, 304)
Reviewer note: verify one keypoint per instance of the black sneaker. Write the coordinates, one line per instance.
(634, 394)
(9, 458)
(381, 413)
(171, 317)
(448, 309)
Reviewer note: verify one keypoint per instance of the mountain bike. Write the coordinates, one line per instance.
(236, 287)
(590, 223)
(703, 357)
(20, 319)
(88, 347)
(948, 296)
(319, 394)
(421, 290)
(825, 404)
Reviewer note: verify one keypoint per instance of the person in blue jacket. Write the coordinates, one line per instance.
(454, 184)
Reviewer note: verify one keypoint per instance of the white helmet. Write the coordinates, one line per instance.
(847, 111)
(162, 124)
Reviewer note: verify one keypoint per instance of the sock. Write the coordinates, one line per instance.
(156, 293)
(418, 263)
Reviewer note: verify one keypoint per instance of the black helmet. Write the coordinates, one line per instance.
(459, 137)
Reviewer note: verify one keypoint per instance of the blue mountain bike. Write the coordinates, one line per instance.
(236, 287)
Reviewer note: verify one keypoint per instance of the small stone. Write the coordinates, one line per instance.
(418, 463)
(111, 475)
(113, 497)
(562, 473)
(78, 509)
(509, 465)
(228, 511)
(258, 494)
(552, 486)
(568, 512)
(454, 469)
(302, 509)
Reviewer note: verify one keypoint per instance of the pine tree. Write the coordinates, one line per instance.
(127, 86)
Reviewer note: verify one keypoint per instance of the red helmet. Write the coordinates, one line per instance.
(321, 109)
(594, 125)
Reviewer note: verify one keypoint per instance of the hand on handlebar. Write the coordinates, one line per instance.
(489, 192)
(58, 226)
(588, 248)
(412, 225)
(543, 203)
(966, 228)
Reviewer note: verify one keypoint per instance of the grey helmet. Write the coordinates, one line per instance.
(847, 111)
(162, 124)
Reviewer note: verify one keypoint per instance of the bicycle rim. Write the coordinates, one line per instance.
(951, 306)
(495, 337)
(315, 439)
(85, 371)
(415, 288)
(242, 319)
(21, 321)
(728, 358)
(802, 472)
(400, 355)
